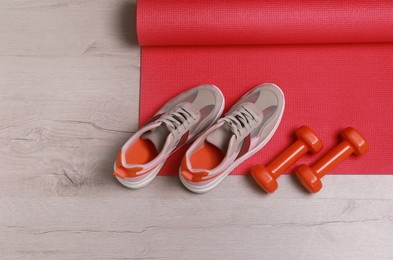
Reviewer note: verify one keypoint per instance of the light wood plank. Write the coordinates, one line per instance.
(210, 228)
(67, 28)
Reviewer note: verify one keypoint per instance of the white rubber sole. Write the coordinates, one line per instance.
(129, 183)
(204, 188)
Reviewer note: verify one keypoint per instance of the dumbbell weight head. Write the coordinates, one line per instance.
(308, 178)
(353, 143)
(357, 141)
(309, 138)
(266, 177)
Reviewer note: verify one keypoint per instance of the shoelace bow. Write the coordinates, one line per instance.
(179, 120)
(241, 121)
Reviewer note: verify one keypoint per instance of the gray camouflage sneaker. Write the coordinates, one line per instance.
(245, 129)
(178, 122)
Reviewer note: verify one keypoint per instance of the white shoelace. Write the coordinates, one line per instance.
(179, 120)
(241, 121)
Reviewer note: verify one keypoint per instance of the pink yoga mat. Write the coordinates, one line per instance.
(333, 60)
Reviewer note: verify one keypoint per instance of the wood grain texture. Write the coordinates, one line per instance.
(69, 96)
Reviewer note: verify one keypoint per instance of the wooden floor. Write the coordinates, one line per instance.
(69, 95)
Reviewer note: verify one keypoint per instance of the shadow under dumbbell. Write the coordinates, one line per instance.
(296, 183)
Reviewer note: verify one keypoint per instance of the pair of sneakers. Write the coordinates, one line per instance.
(220, 144)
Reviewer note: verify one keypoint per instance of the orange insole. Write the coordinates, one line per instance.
(208, 157)
(141, 152)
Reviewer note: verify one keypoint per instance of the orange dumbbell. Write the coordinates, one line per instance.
(266, 177)
(311, 176)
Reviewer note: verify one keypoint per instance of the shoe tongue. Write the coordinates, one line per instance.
(158, 136)
(221, 137)
(253, 108)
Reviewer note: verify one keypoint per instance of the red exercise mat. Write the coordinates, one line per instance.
(333, 60)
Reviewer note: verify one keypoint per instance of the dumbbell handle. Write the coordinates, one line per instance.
(287, 158)
(335, 156)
